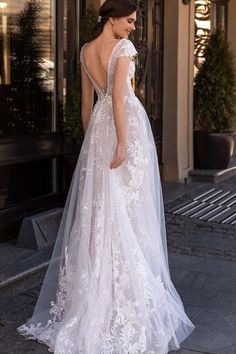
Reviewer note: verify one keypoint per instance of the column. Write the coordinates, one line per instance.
(178, 90)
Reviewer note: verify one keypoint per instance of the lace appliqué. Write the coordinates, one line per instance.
(136, 167)
(48, 332)
(127, 333)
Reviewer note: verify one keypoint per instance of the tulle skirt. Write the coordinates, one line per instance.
(108, 288)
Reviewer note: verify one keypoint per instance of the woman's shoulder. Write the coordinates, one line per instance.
(87, 48)
(128, 41)
(127, 48)
(98, 43)
(123, 46)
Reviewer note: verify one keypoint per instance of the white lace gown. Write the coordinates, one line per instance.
(108, 288)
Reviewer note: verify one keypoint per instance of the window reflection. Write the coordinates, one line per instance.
(27, 67)
(34, 179)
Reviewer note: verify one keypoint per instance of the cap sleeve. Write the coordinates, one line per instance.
(127, 49)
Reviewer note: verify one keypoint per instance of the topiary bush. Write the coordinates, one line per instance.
(214, 87)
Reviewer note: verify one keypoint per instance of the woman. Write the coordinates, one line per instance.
(108, 288)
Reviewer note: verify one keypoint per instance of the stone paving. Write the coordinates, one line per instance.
(208, 289)
(202, 259)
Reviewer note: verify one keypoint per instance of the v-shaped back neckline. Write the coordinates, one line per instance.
(104, 93)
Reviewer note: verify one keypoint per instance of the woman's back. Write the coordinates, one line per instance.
(99, 60)
(96, 58)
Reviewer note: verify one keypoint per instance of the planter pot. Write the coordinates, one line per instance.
(213, 150)
(199, 149)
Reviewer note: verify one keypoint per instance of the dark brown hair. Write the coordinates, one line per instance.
(113, 8)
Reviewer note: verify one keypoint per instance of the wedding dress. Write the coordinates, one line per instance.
(108, 289)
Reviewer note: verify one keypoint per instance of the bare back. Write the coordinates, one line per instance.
(100, 62)
(96, 55)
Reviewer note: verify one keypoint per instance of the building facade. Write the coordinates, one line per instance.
(38, 45)
(39, 56)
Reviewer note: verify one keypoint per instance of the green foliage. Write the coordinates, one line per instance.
(88, 21)
(27, 42)
(214, 87)
(72, 113)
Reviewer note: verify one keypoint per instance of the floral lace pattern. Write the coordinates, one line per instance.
(136, 167)
(47, 333)
(114, 294)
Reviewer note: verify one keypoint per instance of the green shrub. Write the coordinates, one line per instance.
(214, 87)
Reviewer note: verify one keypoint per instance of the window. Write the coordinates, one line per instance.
(26, 67)
(209, 14)
(34, 180)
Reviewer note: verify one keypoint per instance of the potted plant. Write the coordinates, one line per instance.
(72, 122)
(214, 102)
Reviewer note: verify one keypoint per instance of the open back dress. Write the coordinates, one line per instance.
(108, 289)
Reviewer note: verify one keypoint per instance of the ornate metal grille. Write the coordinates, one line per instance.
(148, 39)
(209, 14)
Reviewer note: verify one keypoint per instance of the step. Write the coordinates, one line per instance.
(21, 268)
(212, 175)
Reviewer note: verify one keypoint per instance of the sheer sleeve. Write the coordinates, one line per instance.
(128, 50)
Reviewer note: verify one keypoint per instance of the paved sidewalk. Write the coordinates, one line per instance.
(208, 290)
(202, 259)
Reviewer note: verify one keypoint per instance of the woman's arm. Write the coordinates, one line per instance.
(87, 98)
(118, 100)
